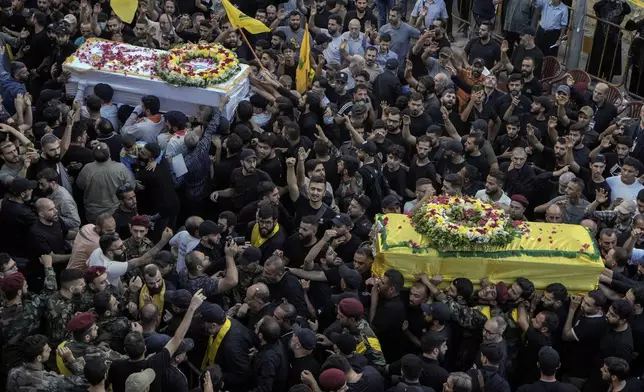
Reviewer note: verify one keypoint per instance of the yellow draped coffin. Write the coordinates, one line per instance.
(548, 253)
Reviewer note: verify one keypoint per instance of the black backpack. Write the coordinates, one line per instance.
(375, 185)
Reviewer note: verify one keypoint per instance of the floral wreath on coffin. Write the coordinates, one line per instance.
(201, 65)
(465, 224)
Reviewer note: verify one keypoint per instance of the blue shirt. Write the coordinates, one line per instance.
(435, 10)
(400, 39)
(382, 58)
(9, 89)
(552, 17)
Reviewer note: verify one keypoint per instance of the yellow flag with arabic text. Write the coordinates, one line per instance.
(240, 20)
(302, 74)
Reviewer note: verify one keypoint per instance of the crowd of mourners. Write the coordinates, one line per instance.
(252, 271)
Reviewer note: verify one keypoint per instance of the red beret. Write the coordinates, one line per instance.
(501, 293)
(520, 199)
(13, 282)
(332, 379)
(351, 307)
(94, 272)
(81, 322)
(140, 220)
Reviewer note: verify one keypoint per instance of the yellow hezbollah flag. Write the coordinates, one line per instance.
(124, 9)
(304, 64)
(239, 19)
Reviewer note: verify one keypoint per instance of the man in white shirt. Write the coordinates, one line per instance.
(493, 192)
(186, 241)
(626, 186)
(110, 254)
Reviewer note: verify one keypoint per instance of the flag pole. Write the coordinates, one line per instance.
(241, 31)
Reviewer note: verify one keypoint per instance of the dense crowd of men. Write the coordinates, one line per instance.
(252, 271)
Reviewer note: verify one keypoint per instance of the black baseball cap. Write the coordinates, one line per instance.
(208, 227)
(19, 185)
(369, 147)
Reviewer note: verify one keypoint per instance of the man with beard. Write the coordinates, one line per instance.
(294, 31)
(433, 347)
(302, 344)
(421, 166)
(613, 160)
(266, 190)
(514, 103)
(100, 180)
(616, 342)
(473, 144)
(363, 14)
(266, 234)
(484, 47)
(586, 332)
(470, 77)
(195, 277)
(357, 211)
(210, 244)
(539, 333)
(580, 152)
(531, 85)
(64, 202)
(414, 324)
(110, 254)
(300, 243)
(63, 304)
(63, 49)
(53, 149)
(420, 119)
(476, 110)
(48, 235)
(15, 165)
(283, 284)
(277, 40)
(12, 83)
(506, 143)
(243, 181)
(112, 327)
(83, 344)
(493, 192)
(95, 282)
(156, 189)
(388, 312)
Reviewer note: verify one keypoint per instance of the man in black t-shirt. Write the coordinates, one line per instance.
(549, 363)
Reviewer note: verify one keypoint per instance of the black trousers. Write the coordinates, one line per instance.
(545, 39)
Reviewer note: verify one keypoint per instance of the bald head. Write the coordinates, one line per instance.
(44, 204)
(519, 151)
(600, 93)
(149, 315)
(554, 214)
(590, 225)
(258, 291)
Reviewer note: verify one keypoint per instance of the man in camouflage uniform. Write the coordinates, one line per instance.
(8, 266)
(112, 328)
(138, 244)
(32, 376)
(84, 333)
(96, 281)
(64, 303)
(22, 315)
(249, 272)
(350, 320)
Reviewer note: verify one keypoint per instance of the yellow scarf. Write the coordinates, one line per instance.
(60, 363)
(157, 299)
(213, 345)
(257, 240)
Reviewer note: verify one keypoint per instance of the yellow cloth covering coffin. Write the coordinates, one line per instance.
(549, 253)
